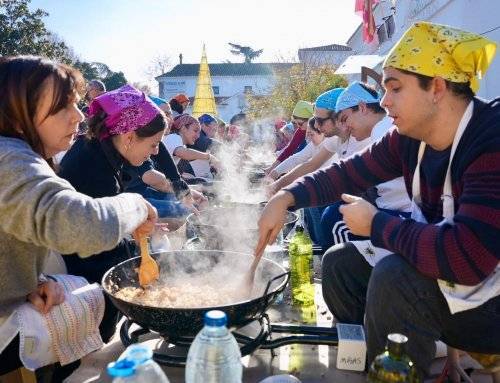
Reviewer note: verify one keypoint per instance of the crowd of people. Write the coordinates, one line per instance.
(399, 187)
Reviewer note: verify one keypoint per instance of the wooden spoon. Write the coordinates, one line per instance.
(149, 271)
(259, 251)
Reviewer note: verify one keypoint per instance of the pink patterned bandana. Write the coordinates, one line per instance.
(127, 110)
(183, 120)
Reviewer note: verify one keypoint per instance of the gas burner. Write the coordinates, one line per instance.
(257, 334)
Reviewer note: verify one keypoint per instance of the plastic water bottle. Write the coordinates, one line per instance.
(139, 359)
(301, 269)
(122, 371)
(214, 355)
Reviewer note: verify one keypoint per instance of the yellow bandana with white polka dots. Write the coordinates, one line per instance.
(436, 50)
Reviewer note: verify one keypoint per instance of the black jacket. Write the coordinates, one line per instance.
(95, 168)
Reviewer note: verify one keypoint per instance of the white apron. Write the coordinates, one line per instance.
(458, 297)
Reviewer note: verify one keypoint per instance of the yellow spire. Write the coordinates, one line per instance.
(204, 100)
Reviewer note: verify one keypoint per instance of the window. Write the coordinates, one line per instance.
(247, 89)
(390, 25)
(216, 90)
(382, 33)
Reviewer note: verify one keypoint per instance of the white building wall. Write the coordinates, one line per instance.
(477, 16)
(232, 87)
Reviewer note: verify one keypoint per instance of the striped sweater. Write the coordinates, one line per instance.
(466, 252)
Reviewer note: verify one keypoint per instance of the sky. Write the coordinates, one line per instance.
(127, 34)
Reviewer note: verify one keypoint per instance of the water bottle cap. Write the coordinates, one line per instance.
(299, 228)
(215, 318)
(139, 353)
(121, 368)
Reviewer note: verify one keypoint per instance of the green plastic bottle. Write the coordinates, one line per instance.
(393, 365)
(301, 259)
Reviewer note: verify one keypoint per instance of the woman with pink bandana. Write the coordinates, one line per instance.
(125, 128)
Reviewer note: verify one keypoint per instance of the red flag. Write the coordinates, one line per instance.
(363, 8)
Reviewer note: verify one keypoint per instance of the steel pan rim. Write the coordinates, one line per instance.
(278, 289)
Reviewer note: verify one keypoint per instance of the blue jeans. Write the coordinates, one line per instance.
(166, 203)
(312, 218)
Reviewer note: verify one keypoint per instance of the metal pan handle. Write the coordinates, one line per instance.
(265, 297)
(269, 283)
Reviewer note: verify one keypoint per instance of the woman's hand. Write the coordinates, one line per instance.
(46, 295)
(271, 189)
(198, 197)
(147, 227)
(273, 174)
(214, 162)
(272, 219)
(189, 203)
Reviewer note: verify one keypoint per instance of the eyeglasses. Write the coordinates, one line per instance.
(321, 120)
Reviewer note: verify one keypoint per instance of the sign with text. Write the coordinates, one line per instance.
(351, 354)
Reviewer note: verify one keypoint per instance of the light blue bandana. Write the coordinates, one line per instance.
(353, 95)
(328, 100)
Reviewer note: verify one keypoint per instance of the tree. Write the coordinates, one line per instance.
(87, 69)
(158, 65)
(23, 32)
(249, 53)
(100, 71)
(142, 87)
(298, 82)
(114, 81)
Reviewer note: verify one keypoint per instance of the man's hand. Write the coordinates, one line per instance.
(46, 295)
(358, 214)
(272, 219)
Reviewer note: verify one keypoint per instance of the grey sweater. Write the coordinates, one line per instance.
(40, 211)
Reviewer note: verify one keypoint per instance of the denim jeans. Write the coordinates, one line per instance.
(395, 297)
(312, 218)
(165, 203)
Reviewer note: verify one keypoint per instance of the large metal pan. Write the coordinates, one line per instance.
(270, 281)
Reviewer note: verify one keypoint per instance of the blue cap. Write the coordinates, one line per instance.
(157, 100)
(328, 100)
(122, 368)
(353, 95)
(215, 318)
(206, 119)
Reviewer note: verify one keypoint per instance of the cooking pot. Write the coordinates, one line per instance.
(270, 281)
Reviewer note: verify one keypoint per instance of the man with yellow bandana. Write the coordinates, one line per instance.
(443, 280)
